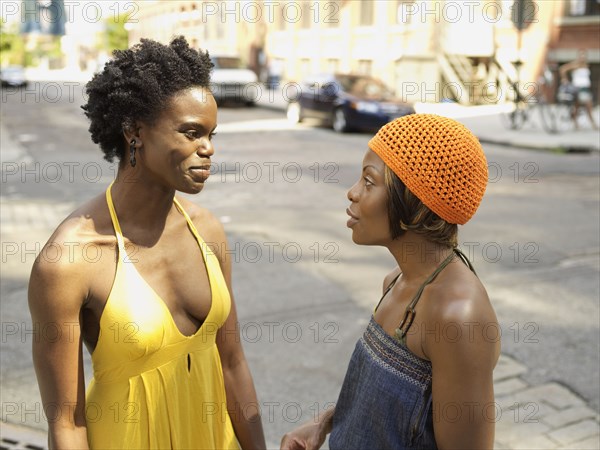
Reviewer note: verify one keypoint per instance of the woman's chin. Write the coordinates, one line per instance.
(356, 238)
(195, 189)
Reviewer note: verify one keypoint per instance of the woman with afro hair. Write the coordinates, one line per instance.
(154, 305)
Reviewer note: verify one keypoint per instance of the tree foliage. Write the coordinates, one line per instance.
(117, 34)
(12, 45)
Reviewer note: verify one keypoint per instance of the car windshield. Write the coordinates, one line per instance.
(364, 87)
(227, 62)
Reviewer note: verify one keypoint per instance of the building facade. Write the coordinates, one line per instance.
(426, 50)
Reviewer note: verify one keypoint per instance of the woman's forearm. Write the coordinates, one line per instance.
(65, 438)
(325, 421)
(243, 407)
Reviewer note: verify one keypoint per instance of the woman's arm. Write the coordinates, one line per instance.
(55, 300)
(311, 435)
(565, 68)
(463, 358)
(242, 403)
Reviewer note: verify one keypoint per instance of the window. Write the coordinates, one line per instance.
(330, 13)
(404, 12)
(305, 20)
(305, 67)
(195, 15)
(183, 15)
(278, 18)
(364, 66)
(220, 29)
(584, 8)
(366, 13)
(577, 8)
(332, 65)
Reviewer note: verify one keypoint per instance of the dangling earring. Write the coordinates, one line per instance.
(132, 160)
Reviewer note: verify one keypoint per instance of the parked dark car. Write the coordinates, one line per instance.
(347, 102)
(13, 76)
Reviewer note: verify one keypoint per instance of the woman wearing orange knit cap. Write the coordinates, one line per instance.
(421, 375)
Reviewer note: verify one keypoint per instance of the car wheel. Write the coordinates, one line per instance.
(294, 112)
(339, 121)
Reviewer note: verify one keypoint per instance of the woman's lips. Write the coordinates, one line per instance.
(200, 172)
(353, 220)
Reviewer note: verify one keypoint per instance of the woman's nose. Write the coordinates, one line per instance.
(206, 148)
(352, 193)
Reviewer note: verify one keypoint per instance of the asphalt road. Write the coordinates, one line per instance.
(304, 291)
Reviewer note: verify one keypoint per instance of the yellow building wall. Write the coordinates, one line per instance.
(401, 45)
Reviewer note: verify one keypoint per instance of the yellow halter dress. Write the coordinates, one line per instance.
(154, 387)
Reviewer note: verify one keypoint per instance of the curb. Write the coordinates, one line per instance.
(573, 149)
(272, 106)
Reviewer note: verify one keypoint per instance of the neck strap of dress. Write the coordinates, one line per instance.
(409, 313)
(115, 220)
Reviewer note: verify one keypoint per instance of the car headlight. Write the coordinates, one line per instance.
(366, 107)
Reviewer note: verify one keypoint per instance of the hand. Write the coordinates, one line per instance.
(306, 437)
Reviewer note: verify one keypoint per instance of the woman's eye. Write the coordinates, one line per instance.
(367, 182)
(192, 134)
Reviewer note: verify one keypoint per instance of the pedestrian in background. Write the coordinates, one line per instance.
(581, 81)
(154, 305)
(421, 376)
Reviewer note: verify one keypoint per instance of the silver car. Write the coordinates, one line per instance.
(230, 80)
(13, 76)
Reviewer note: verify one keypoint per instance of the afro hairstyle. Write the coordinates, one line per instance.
(137, 84)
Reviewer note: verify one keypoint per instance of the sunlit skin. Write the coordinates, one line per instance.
(175, 151)
(172, 154)
(462, 367)
(368, 209)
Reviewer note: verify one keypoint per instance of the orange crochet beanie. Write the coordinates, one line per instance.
(439, 160)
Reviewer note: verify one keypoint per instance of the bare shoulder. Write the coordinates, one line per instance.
(208, 225)
(458, 296)
(390, 277)
(66, 257)
(458, 306)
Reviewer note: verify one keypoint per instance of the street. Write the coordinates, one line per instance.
(303, 290)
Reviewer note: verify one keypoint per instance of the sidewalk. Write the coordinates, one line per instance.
(484, 121)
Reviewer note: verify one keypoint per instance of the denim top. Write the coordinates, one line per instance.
(386, 402)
